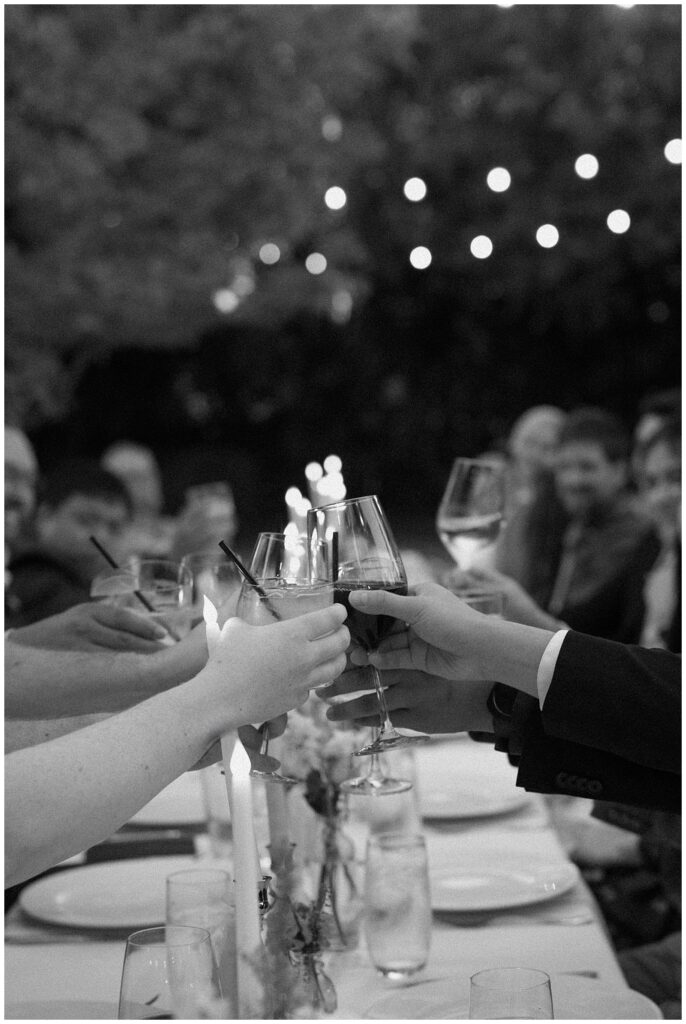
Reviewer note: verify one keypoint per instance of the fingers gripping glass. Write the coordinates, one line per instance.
(364, 556)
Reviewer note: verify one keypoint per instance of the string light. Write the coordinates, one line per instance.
(315, 263)
(270, 253)
(619, 221)
(335, 198)
(481, 247)
(498, 179)
(226, 300)
(586, 166)
(673, 151)
(415, 189)
(547, 236)
(420, 257)
(332, 128)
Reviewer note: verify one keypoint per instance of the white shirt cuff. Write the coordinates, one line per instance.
(547, 664)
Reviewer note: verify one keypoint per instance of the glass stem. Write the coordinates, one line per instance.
(375, 773)
(386, 724)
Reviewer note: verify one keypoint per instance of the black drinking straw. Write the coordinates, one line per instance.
(334, 555)
(247, 576)
(141, 597)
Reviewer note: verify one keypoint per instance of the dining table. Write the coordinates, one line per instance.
(504, 893)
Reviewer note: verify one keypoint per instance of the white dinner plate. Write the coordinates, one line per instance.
(179, 803)
(514, 882)
(466, 802)
(115, 894)
(574, 998)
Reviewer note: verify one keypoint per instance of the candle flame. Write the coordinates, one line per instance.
(240, 762)
(209, 612)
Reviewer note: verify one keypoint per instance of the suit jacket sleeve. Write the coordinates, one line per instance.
(609, 729)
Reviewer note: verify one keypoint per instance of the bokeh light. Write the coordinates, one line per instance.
(415, 189)
(333, 464)
(498, 179)
(270, 253)
(420, 257)
(226, 300)
(341, 306)
(315, 263)
(335, 198)
(619, 221)
(547, 236)
(673, 151)
(332, 128)
(586, 166)
(481, 247)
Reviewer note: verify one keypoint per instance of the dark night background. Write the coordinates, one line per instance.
(152, 150)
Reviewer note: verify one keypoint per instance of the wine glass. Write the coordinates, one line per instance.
(364, 556)
(168, 972)
(213, 575)
(470, 515)
(274, 599)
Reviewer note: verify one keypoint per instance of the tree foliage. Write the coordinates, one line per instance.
(151, 150)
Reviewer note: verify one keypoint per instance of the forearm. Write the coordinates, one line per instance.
(65, 795)
(46, 684)
(509, 652)
(20, 733)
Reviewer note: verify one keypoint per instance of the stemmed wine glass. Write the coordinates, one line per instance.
(471, 512)
(364, 556)
(288, 583)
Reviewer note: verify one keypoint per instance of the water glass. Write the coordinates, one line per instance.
(168, 972)
(397, 904)
(204, 897)
(510, 993)
(215, 576)
(161, 587)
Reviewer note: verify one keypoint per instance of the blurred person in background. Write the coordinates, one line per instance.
(653, 411)
(54, 571)
(581, 548)
(207, 516)
(21, 481)
(532, 446)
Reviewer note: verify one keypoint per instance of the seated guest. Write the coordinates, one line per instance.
(21, 480)
(653, 411)
(72, 791)
(55, 572)
(575, 548)
(532, 446)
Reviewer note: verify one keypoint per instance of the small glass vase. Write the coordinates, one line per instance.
(316, 993)
(340, 885)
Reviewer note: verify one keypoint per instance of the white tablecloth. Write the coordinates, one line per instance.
(68, 979)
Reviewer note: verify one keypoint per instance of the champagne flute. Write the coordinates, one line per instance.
(276, 599)
(365, 557)
(470, 514)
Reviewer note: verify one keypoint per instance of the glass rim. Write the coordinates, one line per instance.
(536, 975)
(137, 938)
(491, 463)
(198, 875)
(282, 582)
(343, 502)
(396, 840)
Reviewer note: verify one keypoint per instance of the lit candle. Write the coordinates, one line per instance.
(277, 812)
(247, 883)
(314, 472)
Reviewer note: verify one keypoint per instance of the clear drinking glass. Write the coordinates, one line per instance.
(488, 602)
(212, 575)
(397, 919)
(159, 587)
(272, 600)
(204, 897)
(168, 972)
(287, 556)
(510, 993)
(471, 511)
(364, 556)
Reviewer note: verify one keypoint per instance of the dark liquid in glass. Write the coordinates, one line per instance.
(366, 630)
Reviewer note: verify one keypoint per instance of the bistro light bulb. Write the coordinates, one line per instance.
(673, 151)
(313, 471)
(414, 189)
(316, 263)
(547, 236)
(332, 464)
(586, 165)
(335, 198)
(226, 300)
(270, 253)
(481, 247)
(420, 257)
(619, 221)
(498, 180)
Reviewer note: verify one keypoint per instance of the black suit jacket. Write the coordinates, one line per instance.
(610, 728)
